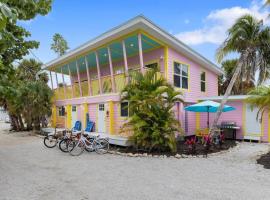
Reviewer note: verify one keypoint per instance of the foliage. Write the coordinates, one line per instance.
(260, 98)
(249, 38)
(151, 102)
(13, 45)
(24, 97)
(241, 86)
(191, 143)
(59, 44)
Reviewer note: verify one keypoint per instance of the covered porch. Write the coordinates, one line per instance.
(106, 69)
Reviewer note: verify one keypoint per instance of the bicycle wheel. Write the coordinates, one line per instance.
(76, 148)
(63, 144)
(50, 141)
(89, 146)
(101, 146)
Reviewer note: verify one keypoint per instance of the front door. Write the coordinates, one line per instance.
(253, 126)
(74, 115)
(101, 118)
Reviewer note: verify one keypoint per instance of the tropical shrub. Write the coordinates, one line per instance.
(152, 119)
(260, 97)
(26, 98)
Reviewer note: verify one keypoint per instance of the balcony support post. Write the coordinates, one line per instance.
(51, 79)
(88, 77)
(71, 81)
(98, 72)
(140, 52)
(111, 69)
(64, 83)
(125, 60)
(79, 78)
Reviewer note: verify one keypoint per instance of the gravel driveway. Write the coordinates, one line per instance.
(29, 170)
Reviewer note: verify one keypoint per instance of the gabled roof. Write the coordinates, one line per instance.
(138, 23)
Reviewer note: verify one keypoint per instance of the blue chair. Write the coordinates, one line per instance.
(89, 126)
(77, 126)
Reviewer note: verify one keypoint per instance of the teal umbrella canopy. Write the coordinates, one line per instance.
(208, 106)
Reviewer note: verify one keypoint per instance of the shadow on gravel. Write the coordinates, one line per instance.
(264, 160)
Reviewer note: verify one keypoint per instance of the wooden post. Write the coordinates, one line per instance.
(125, 59)
(98, 72)
(64, 84)
(51, 79)
(56, 80)
(140, 52)
(111, 69)
(71, 81)
(88, 77)
(79, 78)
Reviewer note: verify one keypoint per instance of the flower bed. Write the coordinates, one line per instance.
(183, 150)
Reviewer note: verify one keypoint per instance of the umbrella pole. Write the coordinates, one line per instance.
(207, 116)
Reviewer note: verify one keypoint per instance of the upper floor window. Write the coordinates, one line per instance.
(180, 75)
(203, 82)
(152, 65)
(124, 109)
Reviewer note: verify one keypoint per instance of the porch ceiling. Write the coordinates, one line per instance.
(132, 49)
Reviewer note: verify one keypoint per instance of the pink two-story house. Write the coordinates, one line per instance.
(97, 72)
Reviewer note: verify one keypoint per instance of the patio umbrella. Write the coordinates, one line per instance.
(209, 107)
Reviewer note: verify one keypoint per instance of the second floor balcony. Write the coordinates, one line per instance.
(106, 69)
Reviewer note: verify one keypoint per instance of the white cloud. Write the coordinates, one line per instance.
(218, 21)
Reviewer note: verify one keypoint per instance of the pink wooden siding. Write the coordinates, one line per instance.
(190, 96)
(195, 70)
(92, 110)
(235, 116)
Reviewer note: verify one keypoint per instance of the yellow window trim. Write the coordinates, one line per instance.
(204, 92)
(188, 65)
(119, 111)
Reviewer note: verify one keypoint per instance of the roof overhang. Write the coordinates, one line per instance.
(137, 23)
(219, 98)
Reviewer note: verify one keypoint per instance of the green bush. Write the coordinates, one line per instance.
(152, 119)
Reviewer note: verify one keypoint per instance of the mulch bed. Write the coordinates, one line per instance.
(182, 149)
(264, 160)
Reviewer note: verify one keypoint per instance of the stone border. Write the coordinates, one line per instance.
(177, 156)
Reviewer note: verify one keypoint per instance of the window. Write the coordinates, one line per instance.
(124, 109)
(152, 65)
(61, 111)
(101, 107)
(74, 108)
(180, 75)
(203, 82)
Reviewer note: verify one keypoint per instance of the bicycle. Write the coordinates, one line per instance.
(63, 144)
(52, 139)
(88, 143)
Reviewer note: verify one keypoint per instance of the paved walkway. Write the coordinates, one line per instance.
(28, 170)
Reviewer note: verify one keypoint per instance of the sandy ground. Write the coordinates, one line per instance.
(29, 170)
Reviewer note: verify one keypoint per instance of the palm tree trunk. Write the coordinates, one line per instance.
(21, 122)
(237, 71)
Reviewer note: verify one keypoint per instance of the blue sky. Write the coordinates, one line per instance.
(200, 24)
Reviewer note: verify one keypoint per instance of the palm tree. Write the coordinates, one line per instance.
(152, 119)
(249, 38)
(261, 99)
(59, 45)
(241, 86)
